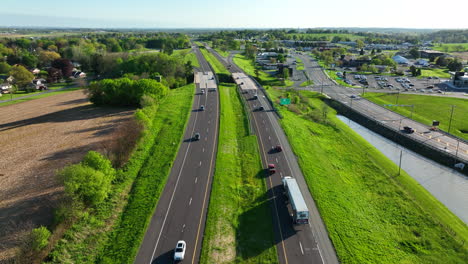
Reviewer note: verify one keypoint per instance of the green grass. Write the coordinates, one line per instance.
(248, 66)
(452, 47)
(329, 36)
(239, 226)
(372, 215)
(37, 95)
(306, 83)
(428, 108)
(222, 53)
(108, 235)
(193, 58)
(217, 65)
(441, 73)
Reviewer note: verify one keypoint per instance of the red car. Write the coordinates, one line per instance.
(271, 168)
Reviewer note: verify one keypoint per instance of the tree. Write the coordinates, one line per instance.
(4, 67)
(413, 70)
(455, 65)
(285, 73)
(414, 52)
(39, 238)
(21, 75)
(360, 44)
(64, 65)
(46, 57)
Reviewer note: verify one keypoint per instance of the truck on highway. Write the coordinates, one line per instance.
(300, 213)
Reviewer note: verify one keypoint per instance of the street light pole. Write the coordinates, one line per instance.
(450, 122)
(399, 164)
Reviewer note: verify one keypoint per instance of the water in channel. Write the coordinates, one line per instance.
(447, 185)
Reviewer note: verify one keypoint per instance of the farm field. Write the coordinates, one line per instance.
(373, 215)
(38, 137)
(428, 108)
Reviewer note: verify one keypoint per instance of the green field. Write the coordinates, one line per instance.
(306, 83)
(441, 73)
(248, 66)
(428, 108)
(218, 67)
(372, 215)
(239, 227)
(328, 36)
(222, 53)
(451, 47)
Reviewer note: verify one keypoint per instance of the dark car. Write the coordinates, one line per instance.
(196, 136)
(271, 168)
(408, 129)
(260, 108)
(278, 148)
(202, 108)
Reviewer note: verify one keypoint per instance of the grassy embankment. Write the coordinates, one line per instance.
(114, 233)
(238, 227)
(263, 78)
(216, 64)
(222, 53)
(428, 108)
(441, 73)
(452, 47)
(37, 95)
(325, 36)
(372, 215)
(186, 55)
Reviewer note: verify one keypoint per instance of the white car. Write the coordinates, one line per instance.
(179, 251)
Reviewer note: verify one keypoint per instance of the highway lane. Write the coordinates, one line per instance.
(295, 243)
(181, 211)
(437, 139)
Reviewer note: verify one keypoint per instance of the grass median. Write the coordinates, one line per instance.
(215, 63)
(239, 222)
(428, 108)
(372, 215)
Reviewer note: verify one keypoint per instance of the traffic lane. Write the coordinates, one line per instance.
(298, 247)
(188, 204)
(147, 247)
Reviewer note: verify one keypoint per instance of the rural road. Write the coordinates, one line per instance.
(295, 243)
(181, 210)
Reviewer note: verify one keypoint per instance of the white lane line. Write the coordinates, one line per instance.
(190, 202)
(206, 139)
(207, 130)
(276, 160)
(183, 228)
(300, 244)
(203, 150)
(281, 174)
(200, 163)
(196, 179)
(209, 121)
(269, 138)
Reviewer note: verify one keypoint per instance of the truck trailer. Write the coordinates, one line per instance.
(300, 213)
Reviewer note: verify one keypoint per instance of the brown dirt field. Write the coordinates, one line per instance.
(37, 138)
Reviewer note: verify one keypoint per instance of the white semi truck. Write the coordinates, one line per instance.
(300, 213)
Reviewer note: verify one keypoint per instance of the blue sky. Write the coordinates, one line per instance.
(234, 13)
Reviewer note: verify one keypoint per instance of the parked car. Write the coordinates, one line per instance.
(408, 129)
(179, 251)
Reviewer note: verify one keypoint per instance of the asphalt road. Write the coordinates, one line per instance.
(295, 243)
(436, 139)
(181, 211)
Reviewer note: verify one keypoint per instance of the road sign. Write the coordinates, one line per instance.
(285, 101)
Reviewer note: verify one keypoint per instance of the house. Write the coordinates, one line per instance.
(422, 62)
(431, 54)
(351, 61)
(78, 74)
(400, 59)
(5, 88)
(460, 79)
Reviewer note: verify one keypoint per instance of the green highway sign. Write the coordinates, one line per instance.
(285, 101)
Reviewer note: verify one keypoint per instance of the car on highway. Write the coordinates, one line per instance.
(408, 129)
(202, 108)
(271, 168)
(179, 251)
(278, 148)
(255, 97)
(353, 96)
(260, 108)
(196, 136)
(202, 91)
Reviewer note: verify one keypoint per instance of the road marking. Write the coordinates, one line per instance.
(269, 138)
(300, 245)
(276, 160)
(200, 163)
(190, 202)
(281, 174)
(183, 228)
(203, 150)
(175, 188)
(207, 130)
(206, 138)
(196, 179)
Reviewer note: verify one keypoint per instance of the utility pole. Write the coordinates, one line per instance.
(450, 122)
(398, 96)
(399, 165)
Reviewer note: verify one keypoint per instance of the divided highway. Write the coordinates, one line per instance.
(181, 210)
(295, 243)
(350, 97)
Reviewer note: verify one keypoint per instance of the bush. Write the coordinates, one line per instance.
(98, 162)
(39, 238)
(85, 184)
(125, 92)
